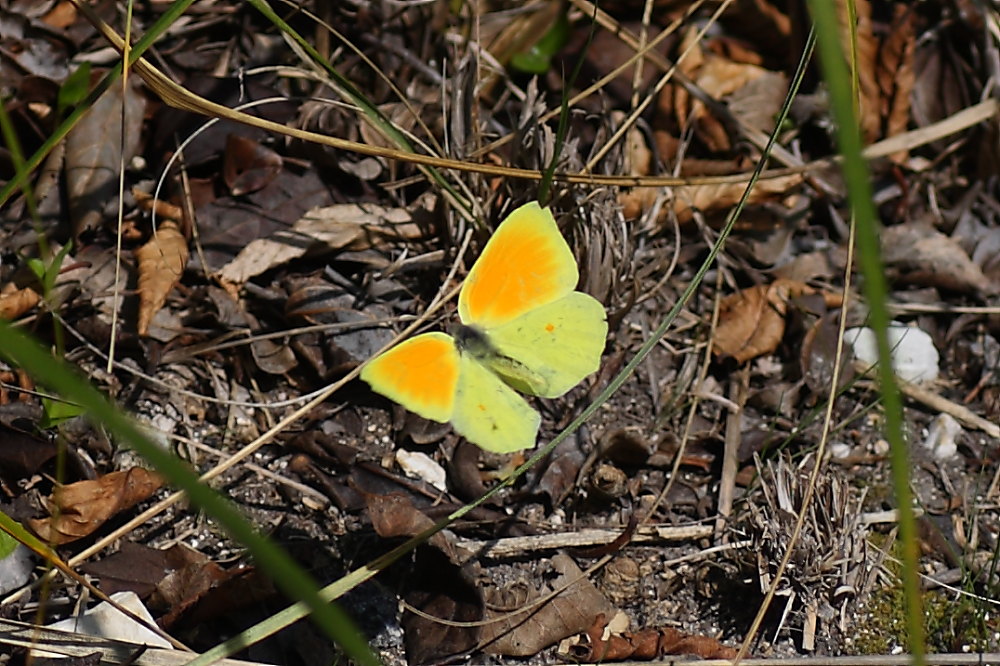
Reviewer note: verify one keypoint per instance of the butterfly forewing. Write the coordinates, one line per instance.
(525, 265)
(421, 374)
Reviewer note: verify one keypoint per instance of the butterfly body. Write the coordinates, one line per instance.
(522, 327)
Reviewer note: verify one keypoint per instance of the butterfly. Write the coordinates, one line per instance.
(523, 326)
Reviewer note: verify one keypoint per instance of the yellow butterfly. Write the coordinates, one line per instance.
(523, 327)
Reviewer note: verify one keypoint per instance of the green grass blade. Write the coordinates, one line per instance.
(859, 190)
(19, 349)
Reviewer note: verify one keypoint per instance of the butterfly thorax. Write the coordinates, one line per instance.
(475, 343)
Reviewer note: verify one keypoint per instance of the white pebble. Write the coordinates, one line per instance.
(941, 436)
(914, 357)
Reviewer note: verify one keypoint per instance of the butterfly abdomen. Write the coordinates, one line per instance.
(475, 343)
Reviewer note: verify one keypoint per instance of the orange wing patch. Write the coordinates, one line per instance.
(526, 264)
(421, 374)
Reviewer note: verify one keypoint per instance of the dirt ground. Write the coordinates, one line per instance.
(249, 269)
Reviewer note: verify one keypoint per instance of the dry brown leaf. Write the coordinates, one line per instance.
(394, 515)
(648, 644)
(571, 612)
(940, 89)
(757, 103)
(708, 198)
(81, 508)
(705, 198)
(61, 16)
(331, 227)
(638, 156)
(161, 264)
(190, 577)
(867, 58)
(164, 209)
(14, 302)
(722, 78)
(752, 321)
(635, 201)
(896, 74)
(248, 166)
(752, 18)
(94, 153)
(274, 357)
(921, 255)
(443, 593)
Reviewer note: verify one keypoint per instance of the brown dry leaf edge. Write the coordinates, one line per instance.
(81, 508)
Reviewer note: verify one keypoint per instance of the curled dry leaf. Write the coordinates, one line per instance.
(923, 256)
(161, 264)
(162, 209)
(172, 581)
(13, 380)
(94, 152)
(394, 515)
(61, 16)
(753, 93)
(331, 227)
(248, 166)
(189, 578)
(705, 198)
(886, 73)
(440, 590)
(647, 644)
(81, 508)
(445, 594)
(752, 321)
(896, 74)
(23, 453)
(274, 357)
(713, 197)
(14, 302)
(571, 612)
(867, 54)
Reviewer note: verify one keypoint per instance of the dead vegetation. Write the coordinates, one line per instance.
(261, 257)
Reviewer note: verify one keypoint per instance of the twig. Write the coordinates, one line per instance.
(24, 634)
(738, 389)
(512, 546)
(941, 404)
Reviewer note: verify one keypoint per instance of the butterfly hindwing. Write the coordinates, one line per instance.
(557, 344)
(489, 413)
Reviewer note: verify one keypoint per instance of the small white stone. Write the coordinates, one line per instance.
(941, 436)
(840, 450)
(419, 465)
(15, 569)
(914, 356)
